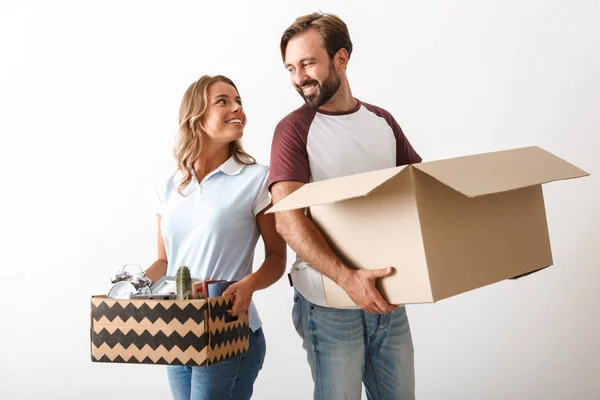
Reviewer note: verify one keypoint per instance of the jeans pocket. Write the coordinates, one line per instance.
(322, 309)
(297, 316)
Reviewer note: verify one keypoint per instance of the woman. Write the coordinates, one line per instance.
(210, 215)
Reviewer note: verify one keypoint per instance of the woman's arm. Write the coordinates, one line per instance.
(158, 269)
(269, 272)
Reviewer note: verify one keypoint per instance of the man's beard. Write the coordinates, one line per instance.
(330, 86)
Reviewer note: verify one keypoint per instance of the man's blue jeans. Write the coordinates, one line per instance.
(348, 347)
(230, 379)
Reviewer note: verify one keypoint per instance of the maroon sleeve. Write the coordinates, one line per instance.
(289, 158)
(405, 153)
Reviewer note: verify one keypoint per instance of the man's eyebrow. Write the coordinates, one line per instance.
(301, 61)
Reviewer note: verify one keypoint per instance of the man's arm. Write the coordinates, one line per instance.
(309, 243)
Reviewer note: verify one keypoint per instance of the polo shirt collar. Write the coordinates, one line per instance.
(231, 166)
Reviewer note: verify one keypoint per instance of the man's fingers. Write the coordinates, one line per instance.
(381, 273)
(385, 307)
(368, 308)
(381, 304)
(380, 309)
(369, 305)
(366, 293)
(375, 309)
(372, 310)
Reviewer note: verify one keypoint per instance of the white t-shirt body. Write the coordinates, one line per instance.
(313, 145)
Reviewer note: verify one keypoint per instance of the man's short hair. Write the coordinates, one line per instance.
(333, 32)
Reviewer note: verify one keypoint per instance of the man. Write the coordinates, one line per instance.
(334, 134)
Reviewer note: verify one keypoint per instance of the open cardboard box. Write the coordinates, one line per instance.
(447, 226)
(174, 332)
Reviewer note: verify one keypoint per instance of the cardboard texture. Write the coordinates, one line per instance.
(447, 226)
(173, 332)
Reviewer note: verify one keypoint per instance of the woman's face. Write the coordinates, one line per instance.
(224, 119)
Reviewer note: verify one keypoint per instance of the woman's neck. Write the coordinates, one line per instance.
(209, 160)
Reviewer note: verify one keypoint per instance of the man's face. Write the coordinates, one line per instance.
(312, 72)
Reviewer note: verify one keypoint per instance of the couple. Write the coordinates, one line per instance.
(212, 212)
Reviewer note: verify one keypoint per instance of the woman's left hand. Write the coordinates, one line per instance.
(242, 292)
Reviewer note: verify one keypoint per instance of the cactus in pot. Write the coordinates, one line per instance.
(184, 284)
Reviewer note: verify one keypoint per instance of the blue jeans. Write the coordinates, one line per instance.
(346, 348)
(230, 379)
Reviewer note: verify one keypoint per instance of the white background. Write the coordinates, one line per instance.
(89, 94)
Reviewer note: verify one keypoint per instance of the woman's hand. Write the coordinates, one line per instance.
(242, 292)
(269, 272)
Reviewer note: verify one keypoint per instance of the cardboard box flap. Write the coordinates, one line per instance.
(500, 171)
(336, 189)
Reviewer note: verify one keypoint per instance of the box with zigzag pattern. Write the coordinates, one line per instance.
(172, 332)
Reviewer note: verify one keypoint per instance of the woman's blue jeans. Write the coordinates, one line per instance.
(230, 379)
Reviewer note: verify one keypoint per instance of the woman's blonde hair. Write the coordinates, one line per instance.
(188, 145)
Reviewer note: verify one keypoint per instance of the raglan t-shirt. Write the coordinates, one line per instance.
(312, 145)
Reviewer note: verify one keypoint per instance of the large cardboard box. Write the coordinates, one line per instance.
(174, 332)
(447, 226)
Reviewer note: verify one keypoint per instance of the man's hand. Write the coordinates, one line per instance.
(309, 243)
(360, 286)
(242, 292)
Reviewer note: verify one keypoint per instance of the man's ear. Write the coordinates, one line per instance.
(340, 60)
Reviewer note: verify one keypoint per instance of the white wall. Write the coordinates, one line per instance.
(89, 94)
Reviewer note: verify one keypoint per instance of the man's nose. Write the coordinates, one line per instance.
(299, 78)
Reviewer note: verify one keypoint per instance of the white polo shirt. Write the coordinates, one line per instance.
(212, 229)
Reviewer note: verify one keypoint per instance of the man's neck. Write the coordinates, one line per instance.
(342, 100)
